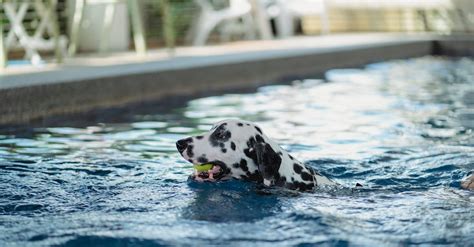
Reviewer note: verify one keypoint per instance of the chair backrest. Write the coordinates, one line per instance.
(235, 6)
(239, 3)
(304, 7)
(239, 6)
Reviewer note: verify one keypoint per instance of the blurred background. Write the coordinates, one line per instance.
(36, 32)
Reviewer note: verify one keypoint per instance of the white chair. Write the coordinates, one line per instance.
(463, 16)
(17, 37)
(209, 18)
(261, 16)
(289, 10)
(137, 25)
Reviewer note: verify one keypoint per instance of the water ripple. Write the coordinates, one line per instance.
(407, 139)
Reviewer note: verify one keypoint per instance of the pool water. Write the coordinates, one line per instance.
(403, 129)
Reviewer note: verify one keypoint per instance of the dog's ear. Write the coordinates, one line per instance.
(268, 162)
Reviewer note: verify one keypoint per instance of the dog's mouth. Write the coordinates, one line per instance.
(212, 171)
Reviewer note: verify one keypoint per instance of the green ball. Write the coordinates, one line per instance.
(203, 167)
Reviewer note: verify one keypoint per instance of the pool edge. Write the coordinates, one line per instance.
(23, 104)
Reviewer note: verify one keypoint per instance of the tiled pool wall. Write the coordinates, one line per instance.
(35, 97)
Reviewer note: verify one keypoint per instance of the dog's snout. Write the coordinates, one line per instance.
(181, 145)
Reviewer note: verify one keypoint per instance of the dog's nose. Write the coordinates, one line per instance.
(181, 145)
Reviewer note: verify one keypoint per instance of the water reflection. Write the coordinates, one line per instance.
(403, 129)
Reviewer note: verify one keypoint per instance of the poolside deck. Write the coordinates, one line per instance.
(85, 83)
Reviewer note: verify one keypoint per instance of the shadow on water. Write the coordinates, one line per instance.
(230, 201)
(111, 241)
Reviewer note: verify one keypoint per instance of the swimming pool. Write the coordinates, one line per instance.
(403, 129)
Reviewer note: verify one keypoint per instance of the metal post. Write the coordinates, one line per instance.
(137, 26)
(263, 23)
(168, 30)
(76, 24)
(3, 52)
(57, 46)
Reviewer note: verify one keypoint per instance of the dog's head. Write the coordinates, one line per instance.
(234, 148)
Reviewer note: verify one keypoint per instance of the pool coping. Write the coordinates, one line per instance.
(77, 89)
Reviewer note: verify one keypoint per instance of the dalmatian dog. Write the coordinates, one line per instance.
(239, 149)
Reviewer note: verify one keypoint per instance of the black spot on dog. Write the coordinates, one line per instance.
(251, 142)
(240, 124)
(232, 145)
(248, 124)
(221, 145)
(312, 171)
(213, 141)
(224, 150)
(306, 187)
(280, 153)
(190, 160)
(259, 139)
(236, 165)
(300, 186)
(254, 177)
(306, 176)
(291, 157)
(188, 140)
(219, 136)
(258, 129)
(227, 136)
(268, 161)
(202, 160)
(199, 137)
(297, 168)
(280, 181)
(250, 150)
(309, 186)
(243, 165)
(189, 151)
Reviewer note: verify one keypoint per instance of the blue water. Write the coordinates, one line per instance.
(403, 129)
